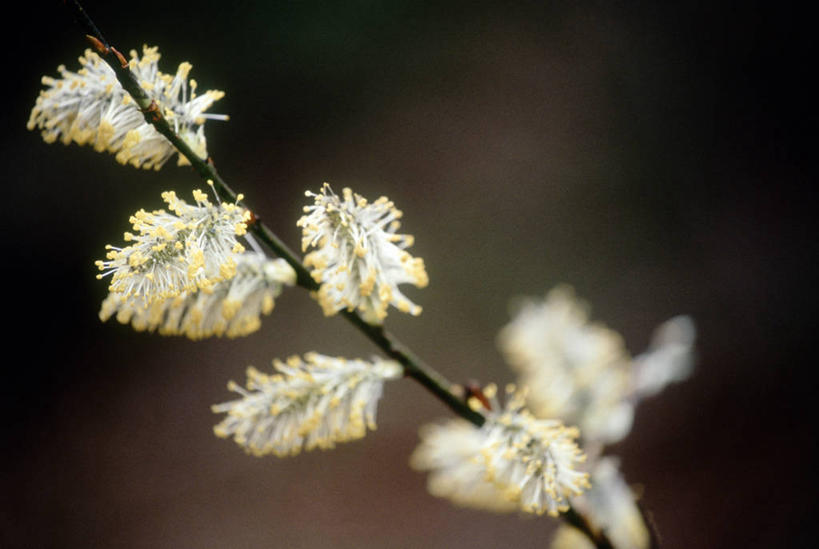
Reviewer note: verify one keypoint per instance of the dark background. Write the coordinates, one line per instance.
(657, 158)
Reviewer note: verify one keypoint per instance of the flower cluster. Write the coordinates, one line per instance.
(232, 307)
(189, 249)
(184, 272)
(359, 260)
(513, 456)
(581, 372)
(311, 403)
(91, 107)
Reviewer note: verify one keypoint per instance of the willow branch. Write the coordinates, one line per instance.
(413, 366)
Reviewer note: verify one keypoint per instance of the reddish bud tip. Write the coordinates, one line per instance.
(97, 44)
(473, 390)
(121, 58)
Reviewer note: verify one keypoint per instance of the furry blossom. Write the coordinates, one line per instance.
(581, 372)
(669, 358)
(610, 506)
(359, 260)
(450, 452)
(531, 462)
(232, 308)
(91, 107)
(190, 249)
(559, 353)
(311, 403)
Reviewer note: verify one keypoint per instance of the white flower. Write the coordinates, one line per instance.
(91, 107)
(232, 307)
(581, 372)
(309, 404)
(575, 370)
(451, 453)
(359, 260)
(534, 460)
(531, 462)
(669, 358)
(610, 506)
(191, 249)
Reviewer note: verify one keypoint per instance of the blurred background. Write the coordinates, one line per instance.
(654, 157)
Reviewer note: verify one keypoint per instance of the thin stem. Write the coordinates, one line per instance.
(416, 368)
(413, 366)
(651, 526)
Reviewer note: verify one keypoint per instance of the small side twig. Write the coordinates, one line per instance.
(651, 525)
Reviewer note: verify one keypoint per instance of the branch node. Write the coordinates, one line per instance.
(152, 110)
